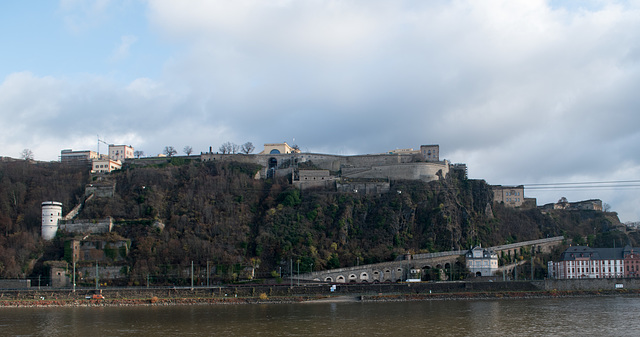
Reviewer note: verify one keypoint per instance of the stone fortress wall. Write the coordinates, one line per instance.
(381, 166)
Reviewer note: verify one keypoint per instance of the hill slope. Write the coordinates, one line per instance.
(218, 213)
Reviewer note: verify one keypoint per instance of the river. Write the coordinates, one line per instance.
(594, 316)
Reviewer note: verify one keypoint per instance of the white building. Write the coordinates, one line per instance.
(51, 213)
(587, 262)
(481, 262)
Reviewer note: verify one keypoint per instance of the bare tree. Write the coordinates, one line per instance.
(247, 148)
(234, 148)
(606, 207)
(226, 148)
(169, 151)
(188, 150)
(138, 153)
(26, 154)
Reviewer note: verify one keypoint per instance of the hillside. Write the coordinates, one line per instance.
(218, 213)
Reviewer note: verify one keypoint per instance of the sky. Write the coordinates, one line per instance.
(523, 92)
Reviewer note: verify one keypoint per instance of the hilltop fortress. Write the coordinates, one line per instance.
(369, 173)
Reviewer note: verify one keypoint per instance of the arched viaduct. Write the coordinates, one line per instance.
(412, 266)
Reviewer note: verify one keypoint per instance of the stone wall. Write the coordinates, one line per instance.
(101, 190)
(592, 284)
(393, 166)
(366, 187)
(15, 284)
(402, 171)
(84, 226)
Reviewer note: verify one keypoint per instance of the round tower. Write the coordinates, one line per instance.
(51, 213)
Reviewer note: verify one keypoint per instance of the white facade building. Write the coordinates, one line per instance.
(481, 262)
(51, 213)
(587, 262)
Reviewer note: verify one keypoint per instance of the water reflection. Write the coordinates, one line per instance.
(588, 316)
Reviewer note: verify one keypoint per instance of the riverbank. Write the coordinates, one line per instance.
(262, 299)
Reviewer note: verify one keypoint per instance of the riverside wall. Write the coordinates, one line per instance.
(281, 290)
(591, 284)
(288, 292)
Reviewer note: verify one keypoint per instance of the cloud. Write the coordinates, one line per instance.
(81, 15)
(122, 50)
(521, 92)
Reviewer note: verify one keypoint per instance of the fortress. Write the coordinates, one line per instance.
(369, 173)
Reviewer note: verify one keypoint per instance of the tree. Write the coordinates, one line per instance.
(247, 148)
(26, 154)
(234, 148)
(138, 153)
(226, 148)
(169, 151)
(188, 150)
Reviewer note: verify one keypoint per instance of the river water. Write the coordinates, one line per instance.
(603, 316)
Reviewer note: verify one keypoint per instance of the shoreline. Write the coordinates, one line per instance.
(315, 299)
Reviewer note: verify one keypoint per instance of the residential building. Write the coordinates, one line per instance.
(481, 261)
(585, 205)
(120, 152)
(68, 155)
(105, 165)
(430, 152)
(579, 262)
(511, 196)
(631, 261)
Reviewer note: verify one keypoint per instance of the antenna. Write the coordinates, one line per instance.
(101, 141)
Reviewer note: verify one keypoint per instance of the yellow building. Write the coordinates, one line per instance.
(279, 148)
(105, 165)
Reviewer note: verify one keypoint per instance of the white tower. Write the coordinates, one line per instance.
(51, 213)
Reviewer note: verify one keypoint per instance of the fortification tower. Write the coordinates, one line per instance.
(51, 213)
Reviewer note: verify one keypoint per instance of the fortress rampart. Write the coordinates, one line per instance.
(375, 166)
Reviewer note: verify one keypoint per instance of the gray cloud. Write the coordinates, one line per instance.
(522, 93)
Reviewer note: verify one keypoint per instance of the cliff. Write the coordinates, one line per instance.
(217, 213)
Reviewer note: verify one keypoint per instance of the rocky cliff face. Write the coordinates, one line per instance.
(217, 213)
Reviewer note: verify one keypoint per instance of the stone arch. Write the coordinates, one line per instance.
(376, 275)
(275, 151)
(478, 274)
(364, 276)
(387, 275)
(447, 265)
(328, 279)
(272, 165)
(340, 279)
(353, 278)
(439, 266)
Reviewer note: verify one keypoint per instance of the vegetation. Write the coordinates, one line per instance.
(216, 214)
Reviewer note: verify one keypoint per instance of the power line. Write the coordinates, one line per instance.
(585, 183)
(591, 185)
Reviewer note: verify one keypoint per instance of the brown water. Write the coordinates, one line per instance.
(607, 316)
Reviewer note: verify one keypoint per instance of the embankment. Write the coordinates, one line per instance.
(261, 293)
